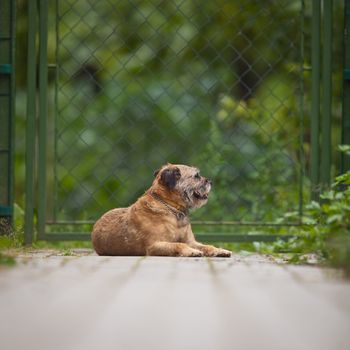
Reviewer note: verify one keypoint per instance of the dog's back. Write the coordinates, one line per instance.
(109, 235)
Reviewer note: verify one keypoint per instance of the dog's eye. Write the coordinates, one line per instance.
(197, 176)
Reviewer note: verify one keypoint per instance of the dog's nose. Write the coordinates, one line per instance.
(209, 181)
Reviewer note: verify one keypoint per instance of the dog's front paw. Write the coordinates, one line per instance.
(192, 253)
(222, 253)
(212, 251)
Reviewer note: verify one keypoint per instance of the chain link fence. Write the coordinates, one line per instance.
(216, 84)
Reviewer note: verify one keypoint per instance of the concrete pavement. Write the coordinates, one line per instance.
(88, 302)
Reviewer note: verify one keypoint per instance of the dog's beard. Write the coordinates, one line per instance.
(196, 197)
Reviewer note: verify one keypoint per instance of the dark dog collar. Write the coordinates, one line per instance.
(179, 214)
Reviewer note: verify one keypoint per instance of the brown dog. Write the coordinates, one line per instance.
(158, 223)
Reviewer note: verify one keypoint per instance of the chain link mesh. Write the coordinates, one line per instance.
(212, 84)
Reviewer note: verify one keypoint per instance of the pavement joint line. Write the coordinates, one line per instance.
(211, 266)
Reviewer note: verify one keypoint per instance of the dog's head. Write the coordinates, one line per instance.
(183, 184)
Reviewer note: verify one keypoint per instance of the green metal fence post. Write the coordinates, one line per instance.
(315, 97)
(12, 104)
(326, 145)
(301, 104)
(345, 137)
(30, 127)
(43, 31)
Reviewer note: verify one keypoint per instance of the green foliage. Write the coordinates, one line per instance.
(334, 218)
(11, 236)
(139, 84)
(256, 167)
(326, 229)
(10, 239)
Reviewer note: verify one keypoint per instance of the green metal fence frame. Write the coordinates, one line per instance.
(320, 137)
(345, 137)
(7, 74)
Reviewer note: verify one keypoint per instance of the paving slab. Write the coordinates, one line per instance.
(89, 302)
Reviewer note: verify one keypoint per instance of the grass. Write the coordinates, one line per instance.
(7, 260)
(12, 244)
(10, 241)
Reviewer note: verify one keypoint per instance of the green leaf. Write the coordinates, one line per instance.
(343, 179)
(313, 205)
(345, 149)
(327, 195)
(309, 221)
(334, 218)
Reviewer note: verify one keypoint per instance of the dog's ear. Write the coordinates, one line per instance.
(170, 176)
(158, 170)
(156, 173)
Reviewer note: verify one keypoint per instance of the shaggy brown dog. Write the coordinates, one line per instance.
(158, 223)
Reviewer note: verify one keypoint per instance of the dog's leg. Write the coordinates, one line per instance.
(172, 249)
(209, 250)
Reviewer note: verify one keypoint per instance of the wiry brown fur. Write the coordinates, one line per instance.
(157, 223)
